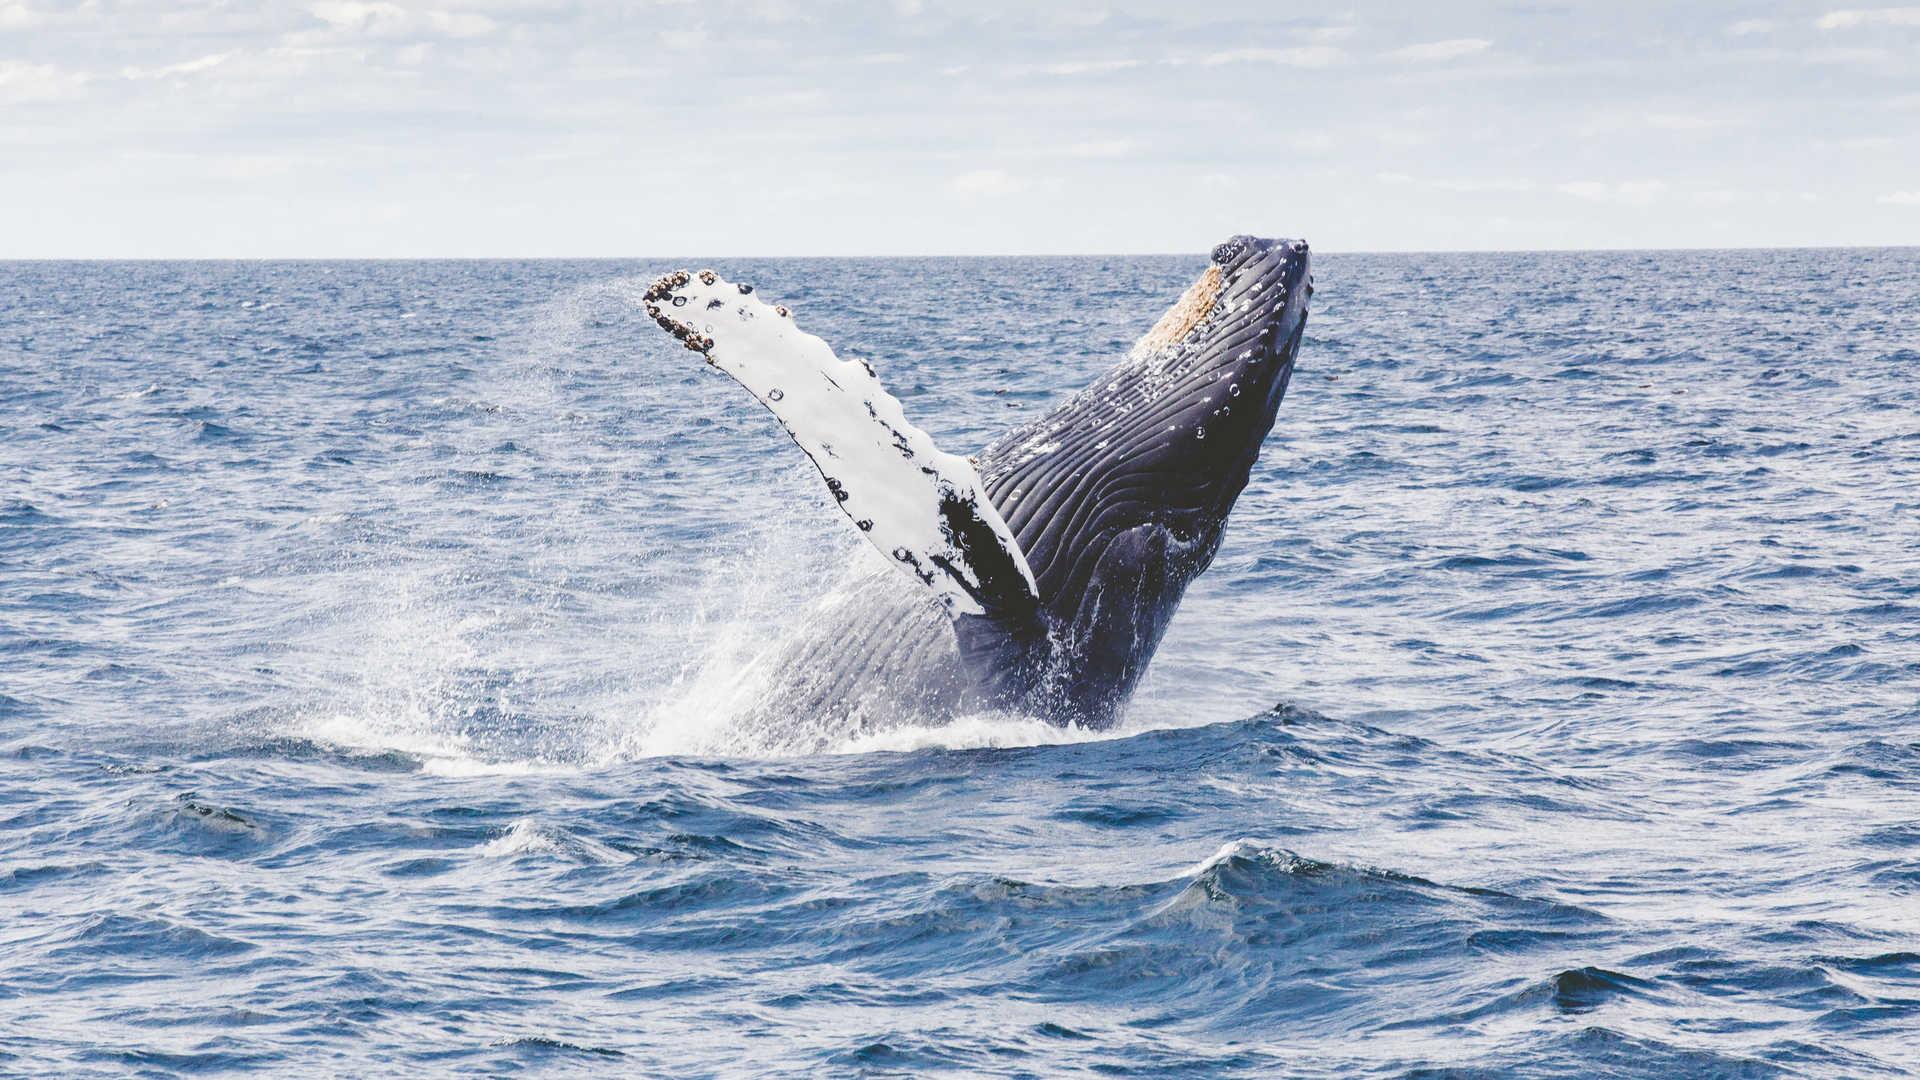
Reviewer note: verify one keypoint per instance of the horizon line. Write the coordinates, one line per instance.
(931, 255)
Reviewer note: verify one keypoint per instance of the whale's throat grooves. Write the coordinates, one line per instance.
(1119, 495)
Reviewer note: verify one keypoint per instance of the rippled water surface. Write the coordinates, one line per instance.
(369, 634)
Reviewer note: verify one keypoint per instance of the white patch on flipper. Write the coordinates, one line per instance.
(886, 474)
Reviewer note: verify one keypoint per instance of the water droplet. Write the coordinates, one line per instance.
(1234, 389)
(679, 301)
(776, 394)
(1200, 432)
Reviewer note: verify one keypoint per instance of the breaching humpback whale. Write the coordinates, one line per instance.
(1039, 576)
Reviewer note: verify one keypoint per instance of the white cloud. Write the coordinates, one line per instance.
(237, 167)
(1631, 193)
(1089, 67)
(1451, 49)
(1867, 57)
(684, 40)
(1104, 148)
(1725, 197)
(1396, 137)
(1687, 121)
(1585, 189)
(1484, 184)
(381, 17)
(1636, 123)
(460, 23)
(799, 100)
(1307, 56)
(774, 11)
(188, 67)
(23, 83)
(985, 182)
(1083, 17)
(389, 91)
(352, 15)
(1843, 20)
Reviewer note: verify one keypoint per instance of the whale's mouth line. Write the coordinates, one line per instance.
(1291, 349)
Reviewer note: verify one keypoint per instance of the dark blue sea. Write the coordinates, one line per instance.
(371, 633)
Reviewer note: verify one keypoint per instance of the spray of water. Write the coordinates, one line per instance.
(577, 561)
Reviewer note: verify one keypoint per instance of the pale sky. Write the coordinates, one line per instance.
(781, 127)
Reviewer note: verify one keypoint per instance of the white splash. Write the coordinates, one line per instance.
(529, 837)
(976, 731)
(1232, 849)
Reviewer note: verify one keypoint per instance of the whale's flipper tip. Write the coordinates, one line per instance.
(925, 509)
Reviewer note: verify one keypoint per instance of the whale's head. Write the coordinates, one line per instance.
(1200, 390)
(1119, 496)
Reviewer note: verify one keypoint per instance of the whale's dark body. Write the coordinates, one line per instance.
(1118, 498)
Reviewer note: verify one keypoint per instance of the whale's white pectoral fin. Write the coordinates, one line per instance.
(925, 509)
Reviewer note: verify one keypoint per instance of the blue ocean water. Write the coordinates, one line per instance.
(369, 634)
